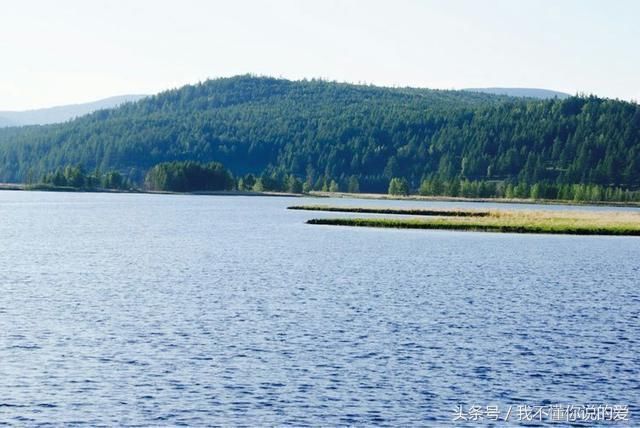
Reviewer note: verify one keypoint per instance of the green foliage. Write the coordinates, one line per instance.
(258, 186)
(354, 185)
(247, 182)
(188, 176)
(114, 180)
(540, 190)
(75, 177)
(398, 186)
(271, 183)
(462, 143)
(294, 185)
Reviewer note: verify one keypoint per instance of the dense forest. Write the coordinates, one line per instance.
(188, 176)
(279, 134)
(75, 177)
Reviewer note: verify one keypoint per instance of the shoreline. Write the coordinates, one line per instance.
(382, 196)
(393, 211)
(320, 194)
(534, 230)
(17, 187)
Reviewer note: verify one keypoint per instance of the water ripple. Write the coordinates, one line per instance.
(175, 310)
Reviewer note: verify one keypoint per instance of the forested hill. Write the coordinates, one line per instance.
(321, 131)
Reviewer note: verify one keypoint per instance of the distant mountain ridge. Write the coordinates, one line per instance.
(543, 94)
(59, 114)
(63, 113)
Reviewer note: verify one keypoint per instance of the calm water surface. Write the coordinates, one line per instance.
(200, 310)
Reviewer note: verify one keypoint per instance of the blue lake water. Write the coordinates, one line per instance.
(123, 309)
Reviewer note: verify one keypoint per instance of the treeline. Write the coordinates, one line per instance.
(177, 176)
(277, 135)
(188, 176)
(77, 178)
(523, 190)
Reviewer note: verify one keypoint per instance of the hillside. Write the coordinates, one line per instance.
(321, 131)
(522, 92)
(61, 113)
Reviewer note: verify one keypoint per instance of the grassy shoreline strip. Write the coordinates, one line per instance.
(492, 226)
(399, 211)
(496, 200)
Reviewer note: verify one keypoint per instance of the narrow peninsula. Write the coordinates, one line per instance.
(519, 221)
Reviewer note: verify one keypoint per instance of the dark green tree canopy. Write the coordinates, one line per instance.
(320, 132)
(188, 176)
(398, 186)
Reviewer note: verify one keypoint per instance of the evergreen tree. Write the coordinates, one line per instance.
(354, 185)
(398, 186)
(451, 142)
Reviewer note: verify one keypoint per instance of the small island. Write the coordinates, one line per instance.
(516, 221)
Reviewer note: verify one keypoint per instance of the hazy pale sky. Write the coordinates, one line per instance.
(69, 51)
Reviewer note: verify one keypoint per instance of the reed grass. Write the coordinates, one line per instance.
(548, 222)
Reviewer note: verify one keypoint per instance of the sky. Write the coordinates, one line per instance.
(71, 51)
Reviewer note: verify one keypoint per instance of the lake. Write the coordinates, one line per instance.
(137, 309)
